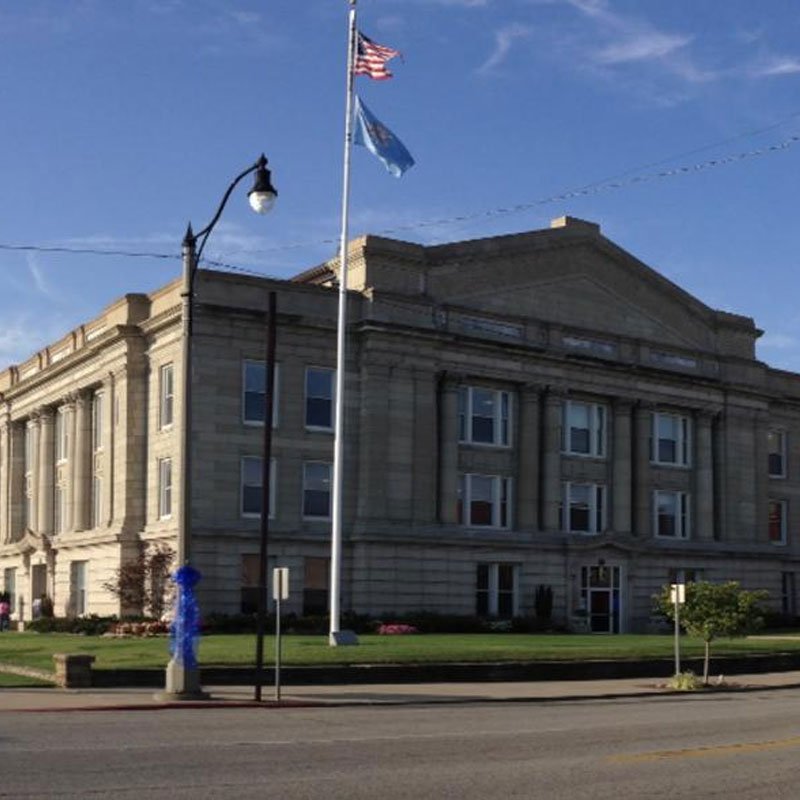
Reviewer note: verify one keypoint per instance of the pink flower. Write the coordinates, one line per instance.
(396, 629)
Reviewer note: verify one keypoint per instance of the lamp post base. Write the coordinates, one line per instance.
(342, 638)
(182, 683)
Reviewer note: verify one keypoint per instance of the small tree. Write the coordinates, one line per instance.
(713, 610)
(142, 583)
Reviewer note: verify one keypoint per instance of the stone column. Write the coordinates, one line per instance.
(760, 474)
(551, 460)
(33, 431)
(16, 481)
(720, 478)
(82, 468)
(5, 481)
(641, 480)
(622, 455)
(448, 457)
(703, 527)
(527, 486)
(375, 431)
(46, 470)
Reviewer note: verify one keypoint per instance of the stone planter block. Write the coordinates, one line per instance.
(73, 670)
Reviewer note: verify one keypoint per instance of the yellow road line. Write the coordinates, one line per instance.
(706, 752)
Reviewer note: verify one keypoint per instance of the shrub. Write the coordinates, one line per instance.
(91, 625)
(685, 682)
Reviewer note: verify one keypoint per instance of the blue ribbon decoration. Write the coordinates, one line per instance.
(185, 628)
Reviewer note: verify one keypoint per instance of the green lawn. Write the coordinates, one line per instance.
(9, 681)
(35, 650)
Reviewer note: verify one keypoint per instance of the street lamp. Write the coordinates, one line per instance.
(182, 674)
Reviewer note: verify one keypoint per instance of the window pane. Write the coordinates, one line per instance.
(579, 428)
(775, 521)
(481, 500)
(579, 507)
(666, 514)
(319, 383)
(319, 412)
(505, 577)
(317, 490)
(480, 512)
(483, 416)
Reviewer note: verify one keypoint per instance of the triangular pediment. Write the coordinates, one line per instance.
(581, 286)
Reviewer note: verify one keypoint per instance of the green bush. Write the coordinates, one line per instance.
(685, 682)
(91, 625)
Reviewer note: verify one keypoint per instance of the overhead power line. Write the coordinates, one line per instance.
(608, 185)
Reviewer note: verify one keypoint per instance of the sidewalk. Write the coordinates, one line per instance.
(54, 700)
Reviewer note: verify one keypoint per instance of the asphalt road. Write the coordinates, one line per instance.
(743, 746)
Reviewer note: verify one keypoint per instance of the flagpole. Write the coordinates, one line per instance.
(338, 442)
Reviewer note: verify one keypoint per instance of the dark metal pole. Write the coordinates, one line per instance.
(269, 380)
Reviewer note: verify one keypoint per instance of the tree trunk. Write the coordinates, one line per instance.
(706, 662)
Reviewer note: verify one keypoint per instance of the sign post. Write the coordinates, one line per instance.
(678, 597)
(280, 591)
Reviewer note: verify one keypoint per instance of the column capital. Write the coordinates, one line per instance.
(83, 396)
(46, 414)
(531, 391)
(555, 395)
(622, 405)
(451, 380)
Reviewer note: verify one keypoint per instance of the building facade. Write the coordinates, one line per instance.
(540, 409)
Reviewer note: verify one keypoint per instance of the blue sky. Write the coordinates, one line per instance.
(124, 119)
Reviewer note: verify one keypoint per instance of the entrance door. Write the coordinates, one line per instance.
(600, 596)
(600, 610)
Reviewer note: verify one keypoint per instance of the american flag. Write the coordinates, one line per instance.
(371, 58)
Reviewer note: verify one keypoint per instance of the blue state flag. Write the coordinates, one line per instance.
(379, 140)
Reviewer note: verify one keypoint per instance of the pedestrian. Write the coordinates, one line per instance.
(5, 610)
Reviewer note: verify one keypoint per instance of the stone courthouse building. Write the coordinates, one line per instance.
(539, 409)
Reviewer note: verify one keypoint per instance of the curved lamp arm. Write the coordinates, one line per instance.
(203, 234)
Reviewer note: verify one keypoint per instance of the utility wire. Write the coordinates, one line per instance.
(606, 185)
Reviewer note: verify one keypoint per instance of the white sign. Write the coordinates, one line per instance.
(677, 593)
(280, 583)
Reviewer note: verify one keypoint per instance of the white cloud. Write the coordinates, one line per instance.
(503, 41)
(646, 46)
(38, 276)
(632, 40)
(777, 67)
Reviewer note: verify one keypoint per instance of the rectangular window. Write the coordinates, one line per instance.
(316, 573)
(164, 488)
(97, 422)
(671, 515)
(97, 500)
(671, 440)
(62, 436)
(10, 587)
(252, 483)
(776, 445)
(484, 416)
(316, 490)
(254, 380)
(583, 508)
(166, 396)
(788, 594)
(319, 398)
(584, 429)
(484, 501)
(777, 521)
(497, 590)
(78, 584)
